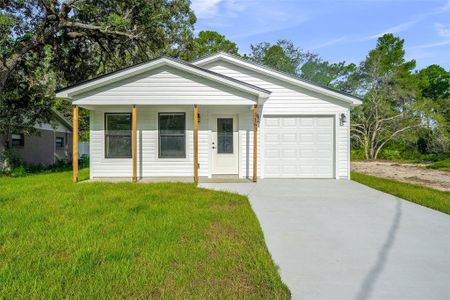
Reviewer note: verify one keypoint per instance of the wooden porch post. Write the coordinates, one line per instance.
(255, 143)
(134, 142)
(75, 143)
(196, 143)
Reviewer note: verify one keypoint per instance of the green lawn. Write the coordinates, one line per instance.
(428, 197)
(123, 240)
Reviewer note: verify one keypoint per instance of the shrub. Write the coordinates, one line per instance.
(10, 160)
(441, 165)
(15, 167)
(390, 154)
(84, 161)
(357, 154)
(19, 171)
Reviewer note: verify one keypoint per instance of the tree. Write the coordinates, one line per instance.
(117, 29)
(286, 57)
(336, 75)
(434, 84)
(35, 84)
(390, 106)
(208, 42)
(283, 56)
(74, 40)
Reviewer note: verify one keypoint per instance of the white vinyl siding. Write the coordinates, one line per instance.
(165, 84)
(287, 99)
(148, 163)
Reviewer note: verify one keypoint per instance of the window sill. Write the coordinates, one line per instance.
(172, 159)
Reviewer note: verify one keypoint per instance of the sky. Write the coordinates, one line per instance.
(337, 30)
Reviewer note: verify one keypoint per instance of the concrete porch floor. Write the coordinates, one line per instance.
(213, 179)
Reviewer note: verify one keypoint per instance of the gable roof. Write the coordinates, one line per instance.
(60, 118)
(84, 86)
(286, 77)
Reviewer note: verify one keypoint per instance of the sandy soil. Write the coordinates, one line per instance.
(411, 173)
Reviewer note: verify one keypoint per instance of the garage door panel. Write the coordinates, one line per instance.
(307, 122)
(272, 122)
(272, 138)
(306, 137)
(290, 153)
(272, 153)
(289, 122)
(273, 169)
(324, 122)
(305, 154)
(289, 170)
(300, 146)
(326, 153)
(289, 137)
(307, 170)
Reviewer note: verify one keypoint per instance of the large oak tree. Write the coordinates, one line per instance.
(50, 43)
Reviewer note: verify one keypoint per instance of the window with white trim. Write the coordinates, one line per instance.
(18, 140)
(117, 135)
(172, 135)
(59, 141)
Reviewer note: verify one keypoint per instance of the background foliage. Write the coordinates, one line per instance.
(49, 44)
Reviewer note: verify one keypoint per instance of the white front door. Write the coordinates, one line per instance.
(224, 144)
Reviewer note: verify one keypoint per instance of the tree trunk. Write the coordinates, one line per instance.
(366, 148)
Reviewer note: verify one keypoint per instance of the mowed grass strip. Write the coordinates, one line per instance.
(425, 196)
(123, 240)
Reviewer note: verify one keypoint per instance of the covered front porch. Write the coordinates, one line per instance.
(168, 118)
(153, 143)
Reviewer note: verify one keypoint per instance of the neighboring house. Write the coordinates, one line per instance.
(49, 144)
(302, 129)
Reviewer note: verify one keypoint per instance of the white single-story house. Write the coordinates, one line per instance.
(171, 118)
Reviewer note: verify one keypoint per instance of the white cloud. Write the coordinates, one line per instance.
(269, 25)
(394, 29)
(432, 45)
(255, 17)
(205, 8)
(329, 43)
(445, 7)
(442, 30)
(413, 21)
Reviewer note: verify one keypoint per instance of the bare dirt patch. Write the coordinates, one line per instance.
(411, 173)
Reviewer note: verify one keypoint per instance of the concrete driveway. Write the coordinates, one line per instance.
(337, 239)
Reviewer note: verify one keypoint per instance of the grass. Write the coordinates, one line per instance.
(123, 240)
(443, 165)
(425, 196)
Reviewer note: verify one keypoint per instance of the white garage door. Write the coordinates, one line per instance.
(299, 147)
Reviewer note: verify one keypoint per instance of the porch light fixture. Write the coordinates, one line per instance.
(342, 119)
